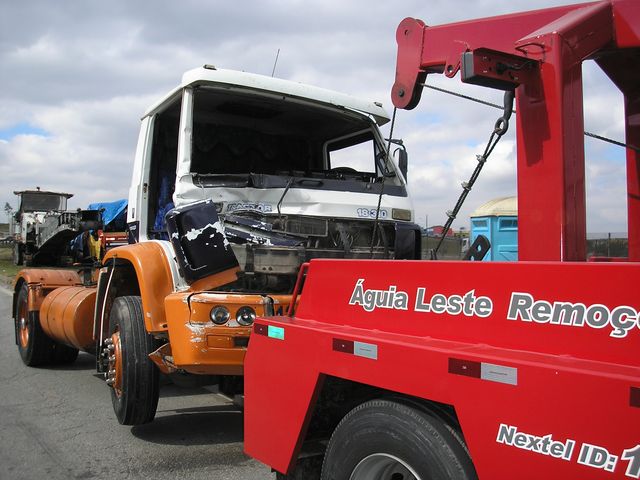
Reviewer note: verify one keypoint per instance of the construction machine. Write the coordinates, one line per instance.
(43, 227)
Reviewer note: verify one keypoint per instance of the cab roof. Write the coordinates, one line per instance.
(20, 192)
(210, 75)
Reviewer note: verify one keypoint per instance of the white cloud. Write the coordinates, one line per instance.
(85, 72)
(88, 150)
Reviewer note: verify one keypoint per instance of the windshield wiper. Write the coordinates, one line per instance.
(286, 189)
(299, 181)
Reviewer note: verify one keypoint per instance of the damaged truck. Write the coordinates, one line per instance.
(237, 180)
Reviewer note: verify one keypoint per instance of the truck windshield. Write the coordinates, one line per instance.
(42, 202)
(244, 133)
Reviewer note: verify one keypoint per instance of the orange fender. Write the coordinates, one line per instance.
(153, 275)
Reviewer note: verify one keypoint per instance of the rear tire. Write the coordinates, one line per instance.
(135, 386)
(33, 344)
(386, 440)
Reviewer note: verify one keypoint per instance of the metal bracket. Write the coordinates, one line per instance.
(493, 69)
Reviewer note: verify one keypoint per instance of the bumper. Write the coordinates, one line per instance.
(197, 345)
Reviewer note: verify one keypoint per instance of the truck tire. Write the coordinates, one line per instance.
(33, 344)
(132, 375)
(17, 254)
(385, 440)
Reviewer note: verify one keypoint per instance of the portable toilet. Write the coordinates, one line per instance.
(498, 221)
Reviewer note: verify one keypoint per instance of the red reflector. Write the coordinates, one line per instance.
(464, 367)
(260, 329)
(634, 397)
(340, 345)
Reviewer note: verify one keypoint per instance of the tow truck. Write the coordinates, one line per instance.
(386, 369)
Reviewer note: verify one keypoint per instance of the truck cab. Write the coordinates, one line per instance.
(287, 166)
(238, 180)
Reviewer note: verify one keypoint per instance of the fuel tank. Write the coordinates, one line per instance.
(66, 315)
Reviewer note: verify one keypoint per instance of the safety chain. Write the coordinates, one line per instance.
(384, 176)
(500, 128)
(508, 110)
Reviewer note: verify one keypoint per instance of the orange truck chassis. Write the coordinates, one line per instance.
(61, 312)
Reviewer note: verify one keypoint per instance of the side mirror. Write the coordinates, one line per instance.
(403, 162)
(403, 156)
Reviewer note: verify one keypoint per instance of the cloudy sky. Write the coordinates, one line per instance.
(76, 77)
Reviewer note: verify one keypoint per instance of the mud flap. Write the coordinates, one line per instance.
(408, 241)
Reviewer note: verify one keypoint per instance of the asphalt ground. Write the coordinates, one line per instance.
(58, 423)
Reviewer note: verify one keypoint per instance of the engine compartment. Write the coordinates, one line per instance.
(268, 249)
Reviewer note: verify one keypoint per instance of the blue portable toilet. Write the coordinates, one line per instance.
(498, 221)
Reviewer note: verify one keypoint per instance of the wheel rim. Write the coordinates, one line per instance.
(113, 351)
(23, 324)
(382, 466)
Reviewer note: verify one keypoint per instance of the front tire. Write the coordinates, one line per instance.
(387, 440)
(33, 344)
(132, 375)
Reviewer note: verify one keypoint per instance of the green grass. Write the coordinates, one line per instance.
(7, 269)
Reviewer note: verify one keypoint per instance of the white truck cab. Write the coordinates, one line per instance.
(278, 158)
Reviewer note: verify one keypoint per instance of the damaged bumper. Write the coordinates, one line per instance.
(198, 345)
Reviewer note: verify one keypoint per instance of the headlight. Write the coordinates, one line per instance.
(246, 316)
(220, 315)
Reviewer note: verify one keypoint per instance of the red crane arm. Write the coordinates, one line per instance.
(540, 55)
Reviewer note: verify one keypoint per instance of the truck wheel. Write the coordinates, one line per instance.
(17, 254)
(131, 374)
(63, 354)
(386, 440)
(33, 344)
